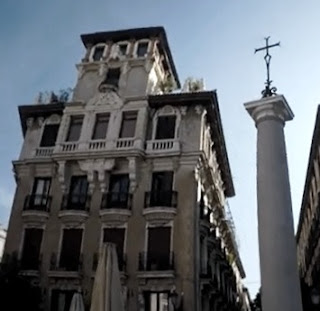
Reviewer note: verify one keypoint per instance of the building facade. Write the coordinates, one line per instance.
(308, 233)
(127, 162)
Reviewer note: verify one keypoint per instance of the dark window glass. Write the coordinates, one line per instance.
(49, 135)
(78, 190)
(116, 236)
(158, 256)
(98, 53)
(161, 191)
(119, 183)
(75, 128)
(61, 299)
(142, 49)
(128, 126)
(101, 126)
(156, 301)
(31, 248)
(70, 250)
(40, 191)
(123, 49)
(113, 76)
(166, 127)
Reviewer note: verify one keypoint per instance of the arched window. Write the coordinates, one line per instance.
(166, 122)
(98, 52)
(141, 48)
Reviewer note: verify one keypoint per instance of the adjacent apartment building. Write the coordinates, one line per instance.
(129, 162)
(308, 233)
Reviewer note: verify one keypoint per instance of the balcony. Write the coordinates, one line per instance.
(30, 266)
(66, 267)
(157, 265)
(69, 147)
(97, 145)
(163, 145)
(36, 207)
(116, 206)
(75, 207)
(124, 143)
(160, 205)
(44, 152)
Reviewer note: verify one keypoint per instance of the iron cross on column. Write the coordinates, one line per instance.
(268, 91)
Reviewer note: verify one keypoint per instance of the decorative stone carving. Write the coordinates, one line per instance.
(61, 175)
(88, 167)
(183, 110)
(102, 69)
(198, 109)
(40, 121)
(110, 97)
(29, 122)
(132, 165)
(54, 119)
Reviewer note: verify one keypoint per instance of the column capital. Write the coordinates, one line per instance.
(273, 107)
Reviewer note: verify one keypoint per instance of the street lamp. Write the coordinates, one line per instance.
(315, 297)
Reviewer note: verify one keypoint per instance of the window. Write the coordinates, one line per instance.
(116, 236)
(161, 191)
(40, 191)
(156, 301)
(78, 192)
(166, 127)
(112, 77)
(128, 126)
(49, 135)
(70, 250)
(118, 190)
(123, 49)
(31, 248)
(158, 257)
(142, 49)
(75, 128)
(101, 126)
(61, 299)
(98, 53)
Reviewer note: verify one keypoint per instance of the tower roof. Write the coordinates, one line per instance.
(137, 34)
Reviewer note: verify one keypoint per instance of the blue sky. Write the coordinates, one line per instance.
(214, 40)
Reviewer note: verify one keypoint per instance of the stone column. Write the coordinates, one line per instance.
(277, 245)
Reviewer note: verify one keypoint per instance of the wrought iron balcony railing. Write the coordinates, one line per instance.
(65, 263)
(161, 199)
(79, 202)
(31, 263)
(156, 261)
(37, 202)
(122, 262)
(120, 200)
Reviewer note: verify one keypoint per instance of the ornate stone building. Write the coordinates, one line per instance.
(308, 233)
(127, 162)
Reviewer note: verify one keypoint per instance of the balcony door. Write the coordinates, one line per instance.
(116, 236)
(118, 190)
(158, 253)
(78, 192)
(161, 191)
(40, 192)
(31, 249)
(70, 249)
